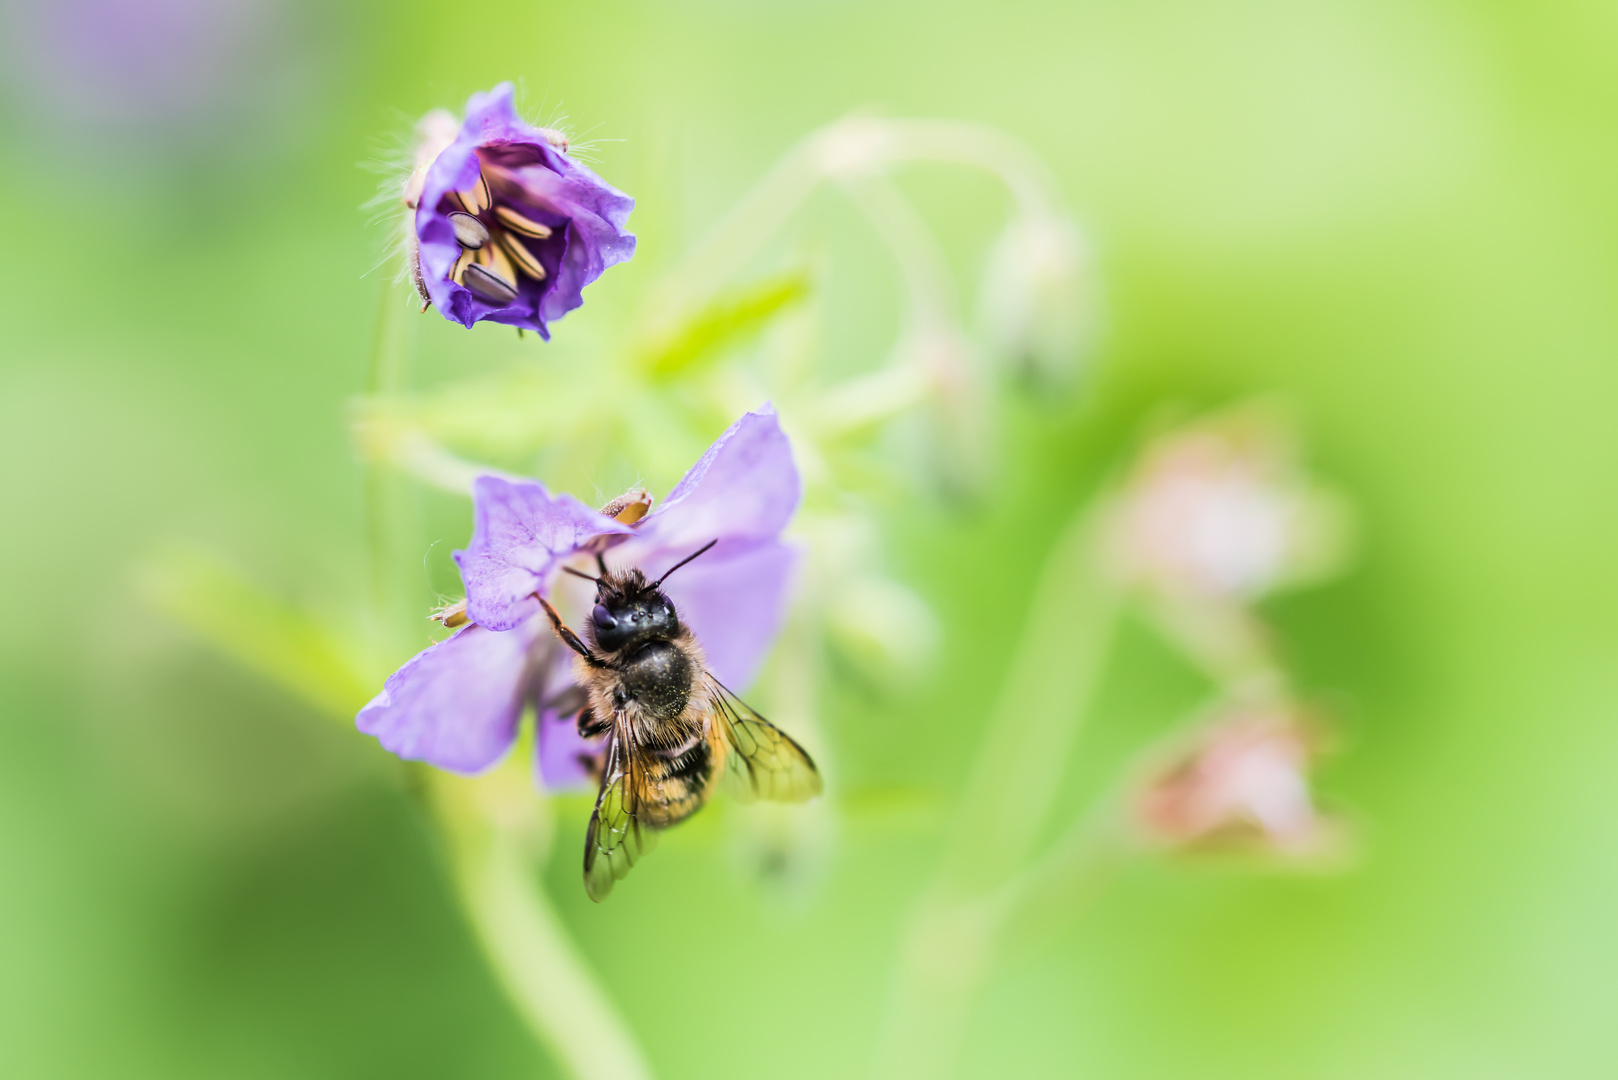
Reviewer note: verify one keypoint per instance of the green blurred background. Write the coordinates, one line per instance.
(1403, 217)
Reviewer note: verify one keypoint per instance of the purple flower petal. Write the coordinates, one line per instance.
(456, 704)
(519, 532)
(746, 487)
(734, 604)
(561, 754)
(586, 216)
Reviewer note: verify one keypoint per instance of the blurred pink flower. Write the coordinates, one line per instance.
(1221, 511)
(1240, 783)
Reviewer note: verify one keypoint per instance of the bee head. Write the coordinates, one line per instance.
(630, 611)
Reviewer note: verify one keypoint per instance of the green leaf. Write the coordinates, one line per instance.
(289, 647)
(725, 321)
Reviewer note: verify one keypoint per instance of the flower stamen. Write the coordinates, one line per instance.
(469, 231)
(458, 271)
(488, 284)
(521, 225)
(490, 233)
(522, 256)
(451, 615)
(494, 257)
(629, 507)
(476, 199)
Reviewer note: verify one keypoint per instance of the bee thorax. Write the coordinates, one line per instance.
(658, 679)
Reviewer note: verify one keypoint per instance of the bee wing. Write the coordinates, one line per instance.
(616, 838)
(764, 762)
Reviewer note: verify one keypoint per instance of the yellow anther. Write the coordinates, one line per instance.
(517, 223)
(522, 256)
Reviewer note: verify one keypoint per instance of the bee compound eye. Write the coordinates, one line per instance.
(602, 617)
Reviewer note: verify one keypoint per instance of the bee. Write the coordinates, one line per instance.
(674, 732)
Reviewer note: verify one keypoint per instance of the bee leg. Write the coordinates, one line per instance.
(569, 638)
(590, 727)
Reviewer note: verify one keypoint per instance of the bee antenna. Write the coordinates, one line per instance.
(582, 574)
(683, 561)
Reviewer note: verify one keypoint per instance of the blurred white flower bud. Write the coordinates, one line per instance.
(1034, 303)
(882, 629)
(785, 852)
(1222, 511)
(959, 443)
(1239, 783)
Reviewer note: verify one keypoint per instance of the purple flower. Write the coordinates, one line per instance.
(457, 704)
(507, 226)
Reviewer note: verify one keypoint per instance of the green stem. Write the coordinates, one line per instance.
(1044, 901)
(922, 265)
(496, 846)
(951, 947)
(982, 883)
(1054, 672)
(497, 827)
(853, 148)
(383, 501)
(979, 145)
(385, 372)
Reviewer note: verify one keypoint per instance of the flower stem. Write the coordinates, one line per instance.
(496, 826)
(849, 149)
(1054, 672)
(985, 881)
(921, 264)
(496, 845)
(384, 502)
(951, 947)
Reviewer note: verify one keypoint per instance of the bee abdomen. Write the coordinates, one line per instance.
(678, 784)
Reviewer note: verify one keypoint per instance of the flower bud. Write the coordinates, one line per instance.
(1238, 784)
(958, 443)
(1223, 511)
(1033, 304)
(883, 629)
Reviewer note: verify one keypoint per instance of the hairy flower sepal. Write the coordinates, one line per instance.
(508, 227)
(457, 705)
